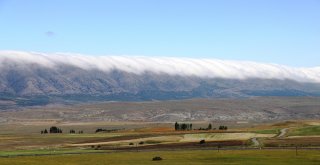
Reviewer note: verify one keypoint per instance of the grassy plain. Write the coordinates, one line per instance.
(306, 131)
(48, 151)
(194, 157)
(28, 146)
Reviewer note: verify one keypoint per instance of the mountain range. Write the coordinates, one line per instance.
(29, 78)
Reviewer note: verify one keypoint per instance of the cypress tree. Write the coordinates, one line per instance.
(176, 126)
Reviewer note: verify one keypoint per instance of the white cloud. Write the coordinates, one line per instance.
(211, 68)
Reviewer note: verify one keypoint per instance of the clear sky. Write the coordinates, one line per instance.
(273, 31)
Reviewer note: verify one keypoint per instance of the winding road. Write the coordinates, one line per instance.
(283, 132)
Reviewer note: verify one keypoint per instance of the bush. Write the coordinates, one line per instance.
(202, 141)
(222, 127)
(100, 130)
(98, 147)
(55, 129)
(157, 158)
(130, 144)
(141, 142)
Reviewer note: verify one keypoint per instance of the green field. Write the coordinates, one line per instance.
(306, 131)
(52, 151)
(175, 147)
(252, 157)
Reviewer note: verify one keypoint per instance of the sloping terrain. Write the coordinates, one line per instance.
(29, 79)
(258, 109)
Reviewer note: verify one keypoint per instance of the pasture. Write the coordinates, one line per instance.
(193, 157)
(138, 143)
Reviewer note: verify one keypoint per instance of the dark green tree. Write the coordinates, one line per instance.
(222, 127)
(55, 129)
(176, 126)
(184, 126)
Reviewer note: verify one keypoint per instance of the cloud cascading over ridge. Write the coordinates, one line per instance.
(204, 68)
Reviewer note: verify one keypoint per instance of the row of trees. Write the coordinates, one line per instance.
(55, 129)
(52, 129)
(182, 126)
(72, 131)
(208, 128)
(107, 130)
(223, 127)
(188, 126)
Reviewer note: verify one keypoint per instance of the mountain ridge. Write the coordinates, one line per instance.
(67, 82)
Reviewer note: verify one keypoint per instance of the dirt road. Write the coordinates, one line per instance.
(283, 132)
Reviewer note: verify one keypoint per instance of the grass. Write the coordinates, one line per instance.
(44, 152)
(35, 141)
(306, 131)
(153, 142)
(247, 157)
(196, 137)
(268, 131)
(220, 136)
(55, 149)
(303, 141)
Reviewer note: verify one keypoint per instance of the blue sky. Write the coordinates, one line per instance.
(273, 31)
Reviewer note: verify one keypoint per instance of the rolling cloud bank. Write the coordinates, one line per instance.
(203, 68)
(41, 78)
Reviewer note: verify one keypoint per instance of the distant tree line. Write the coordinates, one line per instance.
(188, 126)
(55, 129)
(45, 131)
(223, 127)
(106, 130)
(52, 129)
(208, 128)
(182, 126)
(72, 131)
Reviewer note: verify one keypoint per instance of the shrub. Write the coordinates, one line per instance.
(222, 127)
(202, 141)
(98, 147)
(157, 158)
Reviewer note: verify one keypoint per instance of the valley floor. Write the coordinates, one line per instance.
(290, 142)
(194, 157)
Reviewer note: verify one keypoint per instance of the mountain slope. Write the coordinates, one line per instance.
(258, 109)
(22, 80)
